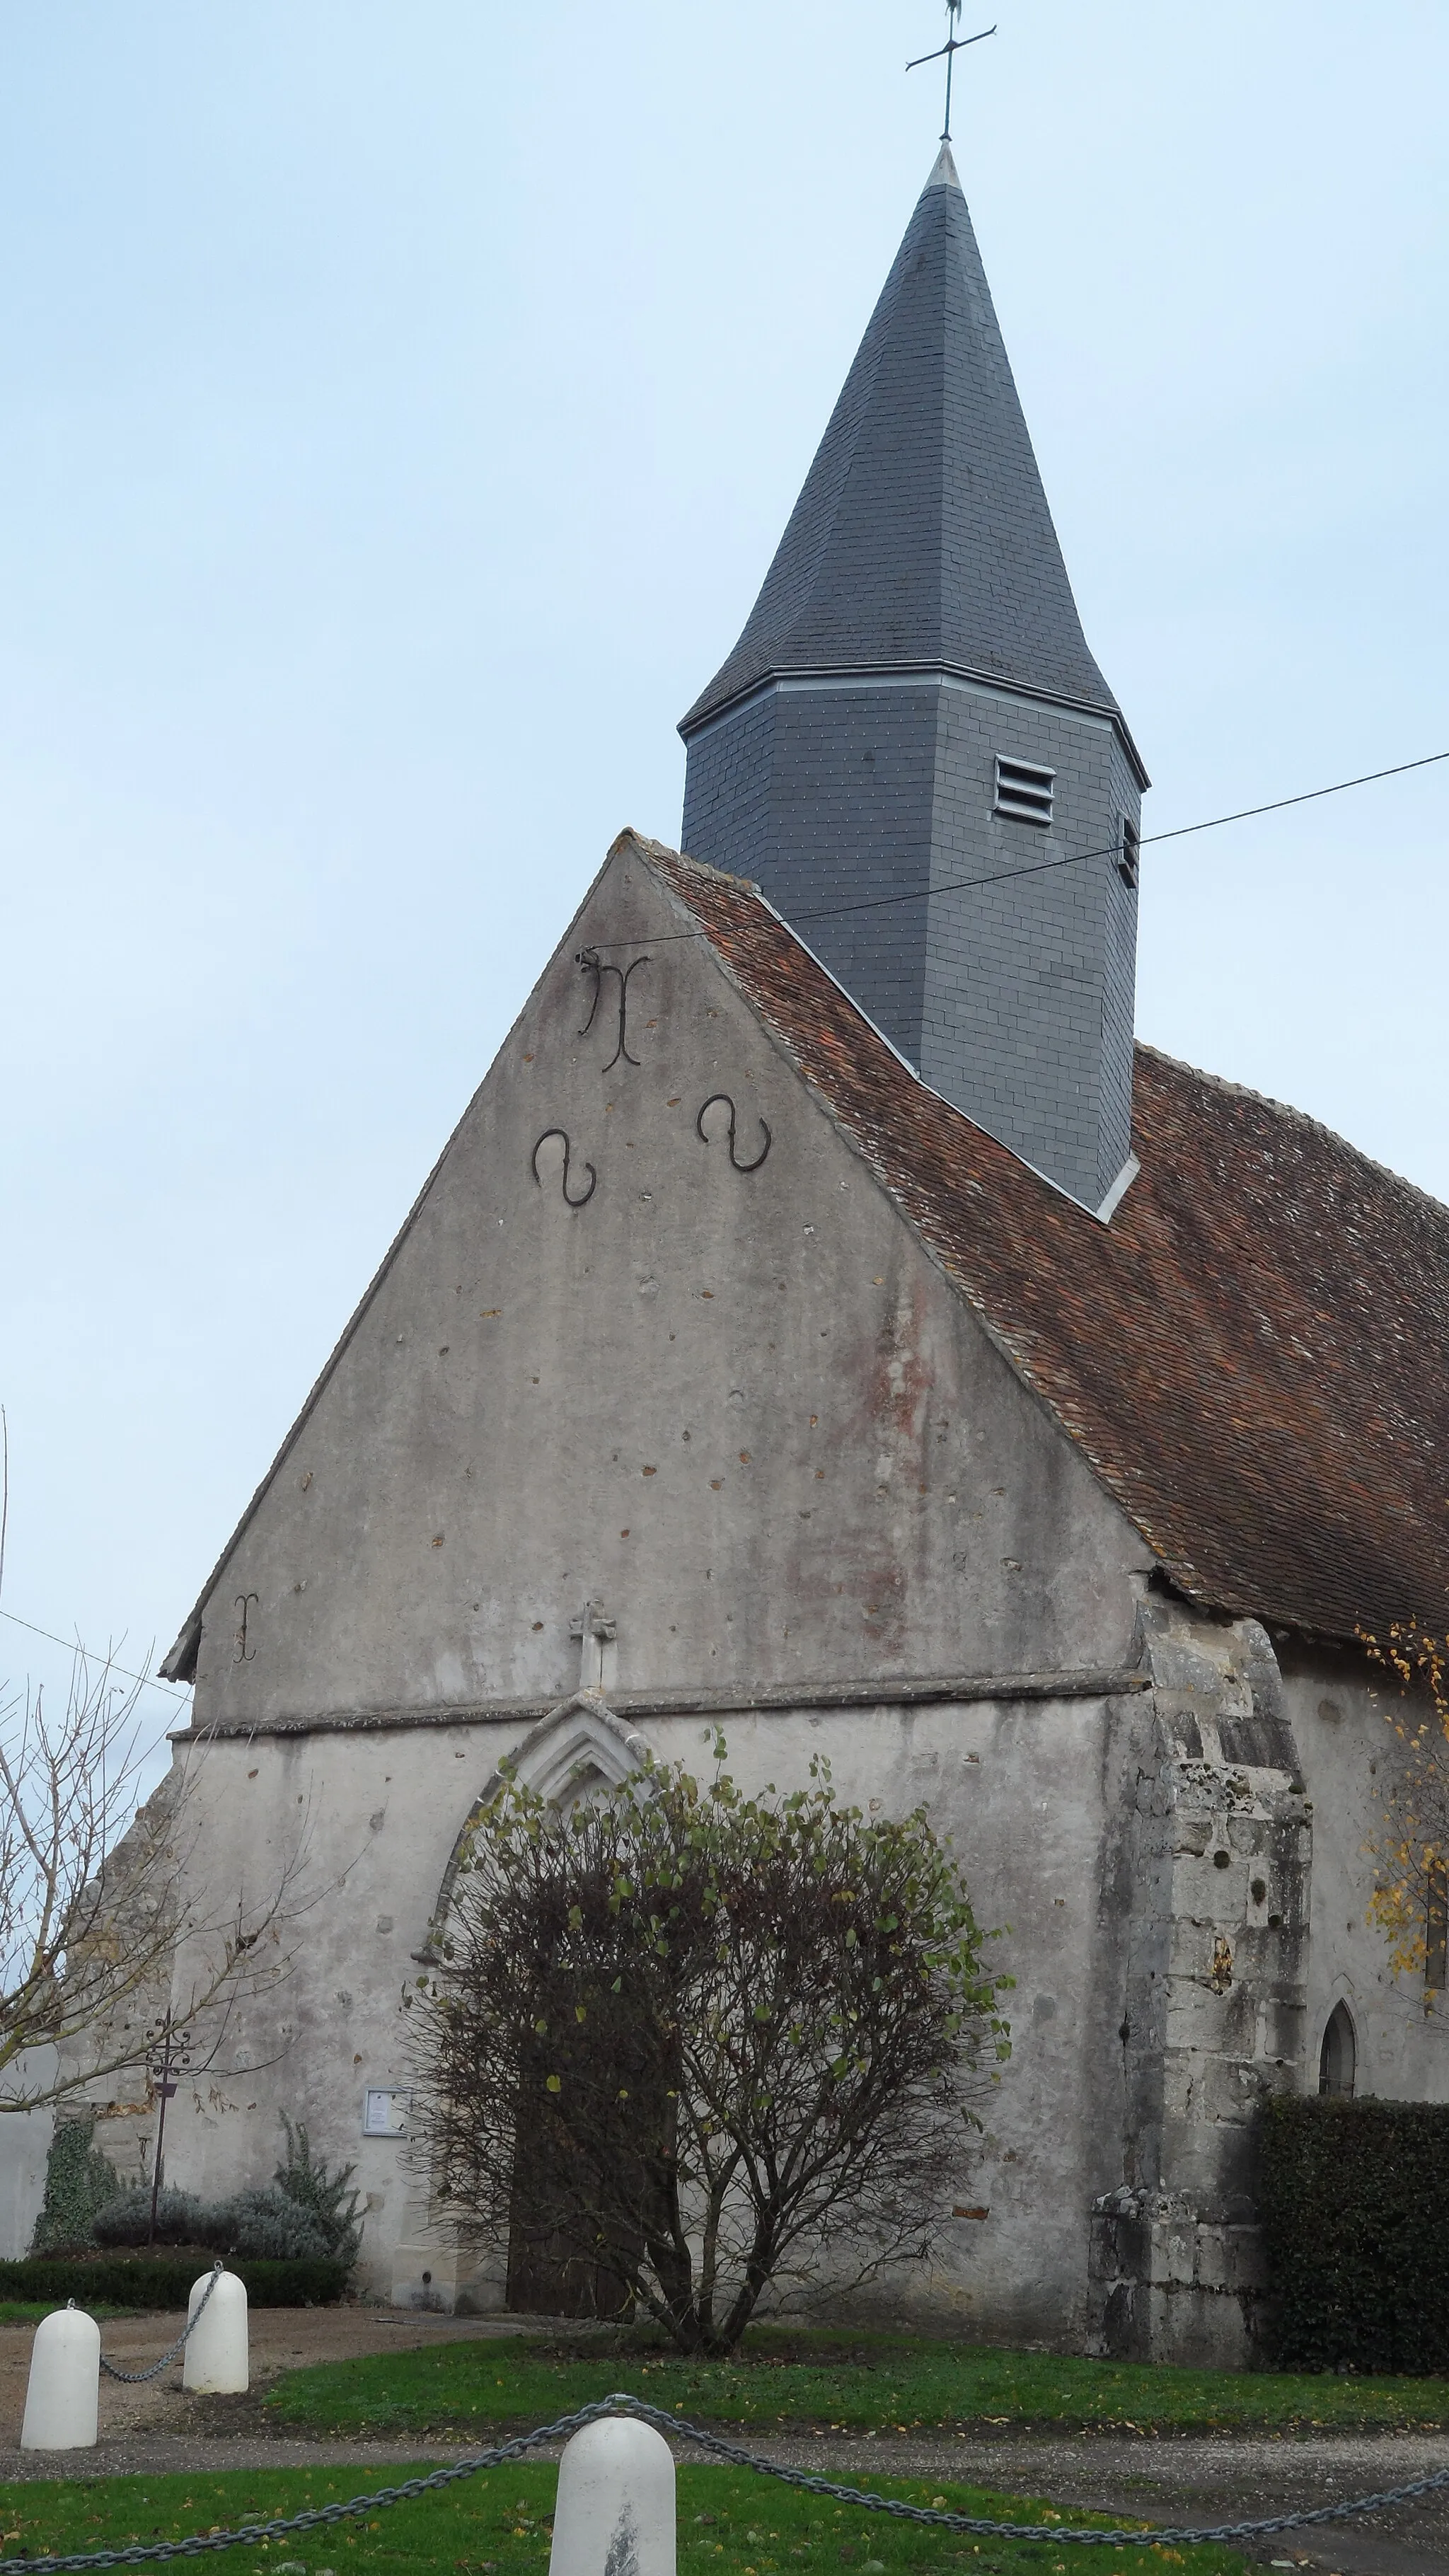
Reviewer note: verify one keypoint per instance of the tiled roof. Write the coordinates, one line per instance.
(1251, 1355)
(921, 538)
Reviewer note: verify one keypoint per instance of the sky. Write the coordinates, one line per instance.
(401, 404)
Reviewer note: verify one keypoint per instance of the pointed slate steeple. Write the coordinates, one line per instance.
(922, 537)
(915, 632)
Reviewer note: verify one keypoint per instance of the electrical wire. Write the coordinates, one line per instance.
(1074, 858)
(875, 903)
(74, 1646)
(1307, 796)
(72, 1643)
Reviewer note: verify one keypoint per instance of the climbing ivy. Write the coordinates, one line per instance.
(79, 2181)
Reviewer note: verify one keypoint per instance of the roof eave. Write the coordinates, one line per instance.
(180, 1664)
(707, 710)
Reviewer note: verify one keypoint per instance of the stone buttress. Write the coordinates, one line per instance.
(1217, 1855)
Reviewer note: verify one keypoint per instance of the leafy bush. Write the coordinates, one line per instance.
(264, 2224)
(126, 2220)
(681, 2045)
(1355, 2204)
(79, 2183)
(320, 2190)
(164, 2280)
(307, 2215)
(269, 2226)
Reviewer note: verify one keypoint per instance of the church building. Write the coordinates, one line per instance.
(826, 1325)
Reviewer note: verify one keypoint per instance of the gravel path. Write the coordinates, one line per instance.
(1170, 2480)
(1206, 2478)
(1209, 2479)
(281, 2339)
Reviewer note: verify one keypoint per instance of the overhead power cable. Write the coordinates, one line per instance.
(1113, 849)
(875, 903)
(73, 1644)
(1075, 858)
(106, 1661)
(1307, 796)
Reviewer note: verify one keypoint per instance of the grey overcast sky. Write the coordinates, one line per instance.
(402, 400)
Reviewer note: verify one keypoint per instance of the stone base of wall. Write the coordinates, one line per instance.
(1171, 2282)
(447, 2280)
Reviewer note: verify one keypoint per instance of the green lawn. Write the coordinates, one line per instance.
(891, 2382)
(498, 2524)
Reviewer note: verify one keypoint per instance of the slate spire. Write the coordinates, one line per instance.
(922, 537)
(915, 629)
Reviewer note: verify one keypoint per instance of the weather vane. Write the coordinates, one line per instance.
(953, 46)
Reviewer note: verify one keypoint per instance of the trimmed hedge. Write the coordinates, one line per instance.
(1354, 2197)
(164, 2280)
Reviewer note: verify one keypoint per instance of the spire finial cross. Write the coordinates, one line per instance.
(953, 46)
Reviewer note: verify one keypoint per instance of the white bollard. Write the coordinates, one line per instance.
(62, 2401)
(615, 2509)
(216, 2357)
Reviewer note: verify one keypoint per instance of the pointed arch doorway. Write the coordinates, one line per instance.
(580, 1748)
(1338, 2056)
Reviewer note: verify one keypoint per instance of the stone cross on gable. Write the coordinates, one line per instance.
(598, 1652)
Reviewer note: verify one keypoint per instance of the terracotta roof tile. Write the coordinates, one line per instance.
(1252, 1353)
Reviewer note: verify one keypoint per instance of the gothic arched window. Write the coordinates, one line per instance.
(1338, 2056)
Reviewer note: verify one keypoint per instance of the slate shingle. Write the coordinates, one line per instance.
(922, 537)
(916, 626)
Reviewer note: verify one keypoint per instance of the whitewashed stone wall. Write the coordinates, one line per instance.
(712, 1433)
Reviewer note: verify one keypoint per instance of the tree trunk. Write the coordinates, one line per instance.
(553, 2270)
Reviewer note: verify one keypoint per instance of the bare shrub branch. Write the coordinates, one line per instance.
(98, 1905)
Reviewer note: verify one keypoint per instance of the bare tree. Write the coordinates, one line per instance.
(98, 1901)
(691, 2044)
(100, 1911)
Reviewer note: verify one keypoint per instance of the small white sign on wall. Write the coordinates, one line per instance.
(385, 2110)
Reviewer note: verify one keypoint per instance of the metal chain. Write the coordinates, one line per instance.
(1052, 2531)
(250, 2534)
(1135, 2535)
(133, 2378)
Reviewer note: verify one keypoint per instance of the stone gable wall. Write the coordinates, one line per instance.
(718, 1389)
